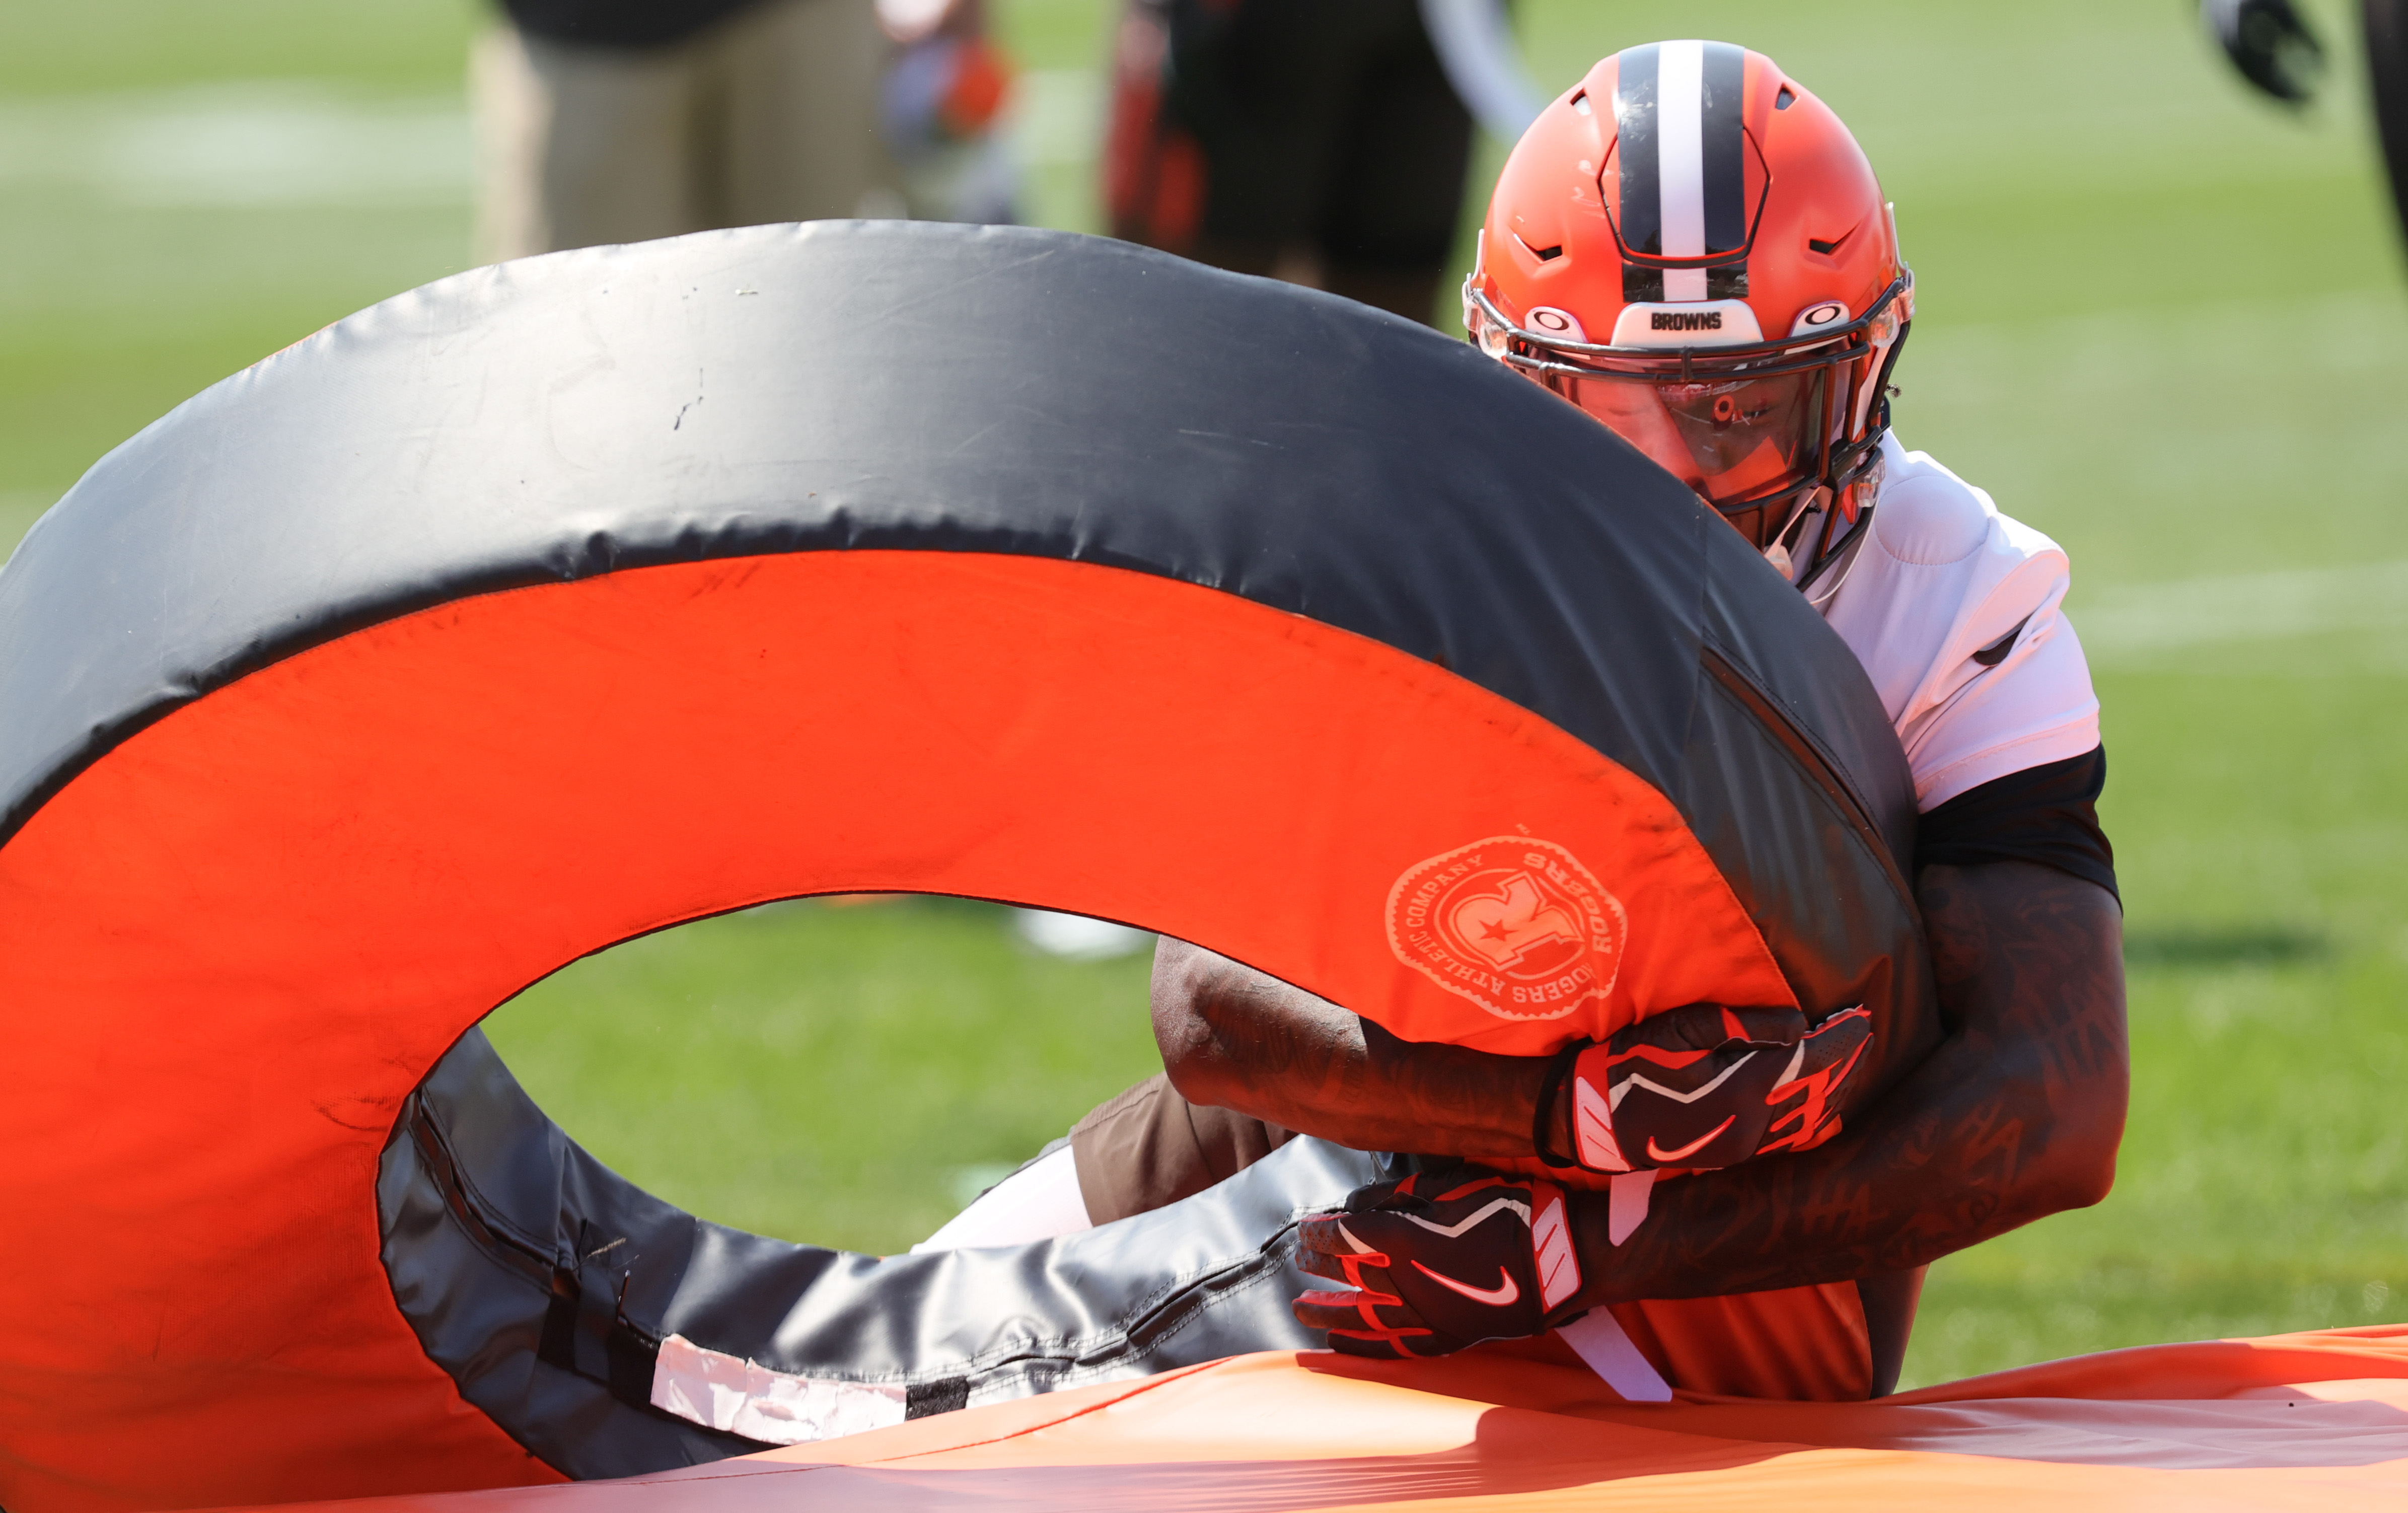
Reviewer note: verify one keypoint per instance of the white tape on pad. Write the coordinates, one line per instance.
(1598, 1339)
(728, 1392)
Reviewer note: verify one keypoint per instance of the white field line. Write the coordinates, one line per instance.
(295, 142)
(2144, 618)
(241, 144)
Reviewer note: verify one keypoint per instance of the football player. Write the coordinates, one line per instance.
(1690, 247)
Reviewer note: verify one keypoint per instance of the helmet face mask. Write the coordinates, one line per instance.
(1761, 433)
(1689, 197)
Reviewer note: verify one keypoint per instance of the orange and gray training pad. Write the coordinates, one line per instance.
(572, 598)
(2301, 1423)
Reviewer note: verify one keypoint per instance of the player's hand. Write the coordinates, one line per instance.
(1706, 1087)
(1437, 1265)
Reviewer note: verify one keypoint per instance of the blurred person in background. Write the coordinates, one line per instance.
(616, 120)
(2272, 47)
(1320, 141)
(938, 105)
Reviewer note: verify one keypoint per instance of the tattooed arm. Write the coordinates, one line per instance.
(1232, 1037)
(2016, 1116)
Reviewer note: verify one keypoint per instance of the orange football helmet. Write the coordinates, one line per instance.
(1692, 248)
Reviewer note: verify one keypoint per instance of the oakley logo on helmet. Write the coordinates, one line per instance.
(1517, 926)
(1558, 323)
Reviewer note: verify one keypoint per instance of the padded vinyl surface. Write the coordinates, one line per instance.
(225, 1001)
(2317, 1423)
(574, 597)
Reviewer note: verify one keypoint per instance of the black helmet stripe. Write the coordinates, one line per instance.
(1634, 151)
(1723, 140)
(1681, 151)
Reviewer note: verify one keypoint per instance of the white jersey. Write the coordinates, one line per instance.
(1956, 613)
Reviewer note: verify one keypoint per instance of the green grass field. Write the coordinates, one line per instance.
(2158, 320)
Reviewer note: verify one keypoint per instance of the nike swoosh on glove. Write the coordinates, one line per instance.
(1706, 1085)
(1483, 1257)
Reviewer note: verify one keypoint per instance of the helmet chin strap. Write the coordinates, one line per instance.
(1863, 474)
(1806, 495)
(1831, 551)
(1825, 496)
(1778, 551)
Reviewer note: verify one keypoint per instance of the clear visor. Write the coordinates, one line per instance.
(1756, 431)
(1731, 439)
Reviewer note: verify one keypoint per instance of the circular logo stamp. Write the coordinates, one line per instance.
(1516, 924)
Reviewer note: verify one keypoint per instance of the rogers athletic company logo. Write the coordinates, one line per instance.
(1516, 924)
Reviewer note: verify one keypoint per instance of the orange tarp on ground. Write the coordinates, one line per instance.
(2309, 1422)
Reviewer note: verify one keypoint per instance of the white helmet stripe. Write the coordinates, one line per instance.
(1680, 151)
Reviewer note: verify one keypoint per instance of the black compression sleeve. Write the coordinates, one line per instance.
(2047, 813)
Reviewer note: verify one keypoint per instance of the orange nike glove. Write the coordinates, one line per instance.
(1704, 1087)
(1486, 1258)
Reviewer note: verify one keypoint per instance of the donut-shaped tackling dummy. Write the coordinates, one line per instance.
(572, 598)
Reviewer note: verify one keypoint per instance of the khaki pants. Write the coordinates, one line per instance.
(768, 116)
